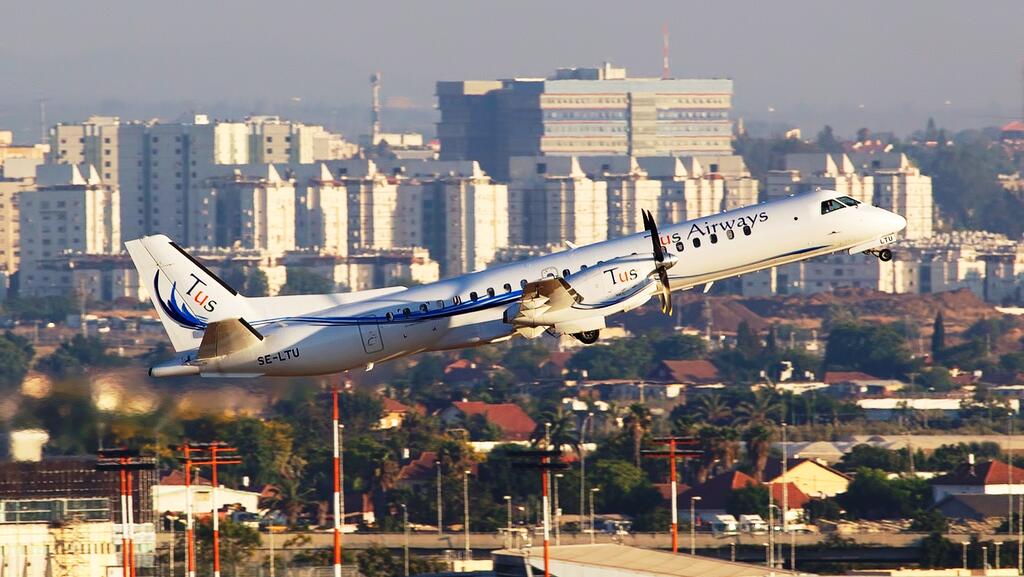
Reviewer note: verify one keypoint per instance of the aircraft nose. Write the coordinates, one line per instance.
(898, 221)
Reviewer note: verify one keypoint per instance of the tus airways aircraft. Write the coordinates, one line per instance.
(218, 332)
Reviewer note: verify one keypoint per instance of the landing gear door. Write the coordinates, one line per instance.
(371, 337)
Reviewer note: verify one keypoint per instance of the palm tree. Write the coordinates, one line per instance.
(758, 439)
(291, 496)
(718, 446)
(637, 421)
(713, 410)
(761, 410)
(558, 428)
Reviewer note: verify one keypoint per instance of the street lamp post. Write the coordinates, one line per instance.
(508, 505)
(998, 544)
(965, 544)
(593, 532)
(558, 512)
(984, 557)
(440, 519)
(465, 509)
(693, 525)
(583, 466)
(405, 541)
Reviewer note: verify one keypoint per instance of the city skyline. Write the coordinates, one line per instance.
(138, 62)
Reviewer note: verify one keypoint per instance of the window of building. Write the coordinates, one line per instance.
(542, 167)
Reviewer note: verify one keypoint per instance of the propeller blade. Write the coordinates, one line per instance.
(666, 292)
(649, 224)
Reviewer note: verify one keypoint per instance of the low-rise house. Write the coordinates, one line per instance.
(858, 384)
(169, 496)
(986, 478)
(686, 372)
(812, 477)
(510, 418)
(890, 408)
(393, 414)
(973, 507)
(712, 497)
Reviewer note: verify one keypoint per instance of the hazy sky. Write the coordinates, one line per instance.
(881, 63)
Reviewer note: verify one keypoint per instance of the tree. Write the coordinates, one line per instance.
(871, 495)
(76, 354)
(302, 281)
(758, 439)
(680, 347)
(865, 456)
(622, 359)
(827, 141)
(719, 445)
(762, 409)
(15, 355)
(938, 336)
(237, 543)
(637, 422)
(749, 500)
(879, 350)
(559, 426)
(379, 561)
(712, 409)
(747, 341)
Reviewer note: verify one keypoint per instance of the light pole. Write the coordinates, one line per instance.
(583, 466)
(965, 544)
(693, 525)
(465, 509)
(592, 531)
(174, 521)
(998, 544)
(405, 543)
(558, 512)
(508, 505)
(440, 523)
(984, 557)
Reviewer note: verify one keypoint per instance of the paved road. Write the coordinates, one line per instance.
(490, 541)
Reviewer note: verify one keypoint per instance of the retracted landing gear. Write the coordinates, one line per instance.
(884, 255)
(587, 337)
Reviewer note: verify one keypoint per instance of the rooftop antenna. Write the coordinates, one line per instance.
(664, 52)
(375, 116)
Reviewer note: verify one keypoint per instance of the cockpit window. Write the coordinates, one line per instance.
(831, 205)
(848, 201)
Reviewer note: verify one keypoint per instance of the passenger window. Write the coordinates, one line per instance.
(508, 288)
(440, 304)
(389, 317)
(730, 234)
(746, 230)
(472, 296)
(424, 307)
(848, 201)
(696, 243)
(680, 246)
(831, 205)
(406, 312)
(714, 238)
(565, 272)
(522, 283)
(583, 267)
(490, 292)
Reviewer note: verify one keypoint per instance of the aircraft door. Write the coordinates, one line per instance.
(370, 334)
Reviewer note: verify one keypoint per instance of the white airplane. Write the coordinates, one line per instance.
(218, 332)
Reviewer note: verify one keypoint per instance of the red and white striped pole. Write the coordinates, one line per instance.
(675, 507)
(131, 524)
(216, 517)
(547, 519)
(190, 536)
(335, 425)
(124, 519)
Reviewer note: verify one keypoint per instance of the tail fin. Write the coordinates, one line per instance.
(187, 295)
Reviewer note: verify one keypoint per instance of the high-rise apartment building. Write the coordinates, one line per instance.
(255, 210)
(69, 212)
(582, 112)
(551, 200)
(322, 204)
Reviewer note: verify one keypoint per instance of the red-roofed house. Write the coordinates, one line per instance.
(715, 493)
(988, 478)
(465, 371)
(513, 421)
(392, 413)
(419, 470)
(833, 377)
(856, 384)
(692, 372)
(810, 476)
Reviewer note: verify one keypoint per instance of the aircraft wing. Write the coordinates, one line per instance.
(540, 298)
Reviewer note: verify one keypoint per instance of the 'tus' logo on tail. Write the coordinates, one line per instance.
(200, 297)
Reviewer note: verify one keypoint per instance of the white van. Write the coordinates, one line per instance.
(724, 525)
